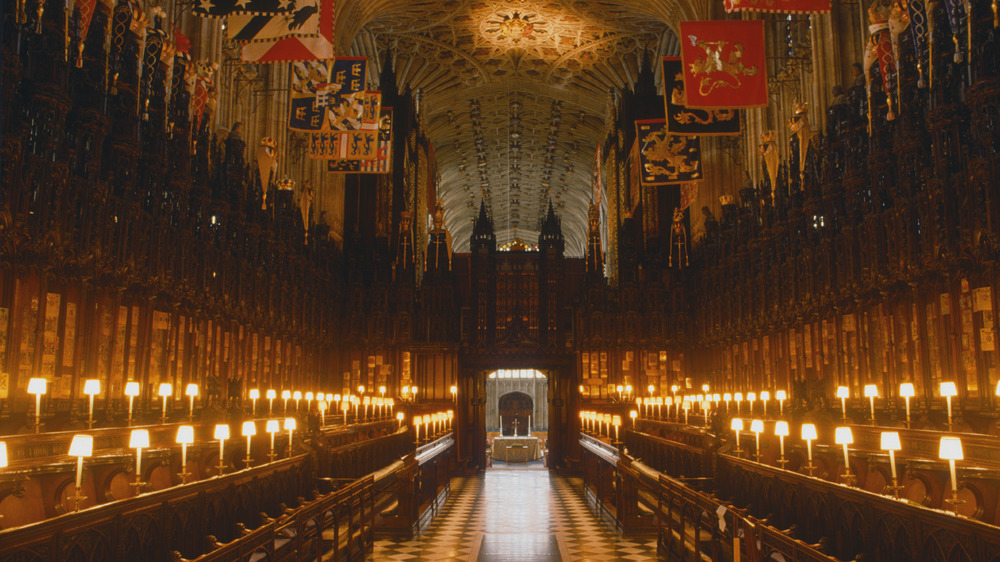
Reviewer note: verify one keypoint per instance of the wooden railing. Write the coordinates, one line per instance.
(691, 523)
(149, 526)
(855, 522)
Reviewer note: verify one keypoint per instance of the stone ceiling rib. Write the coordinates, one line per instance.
(539, 72)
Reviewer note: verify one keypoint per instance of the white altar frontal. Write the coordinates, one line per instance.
(515, 449)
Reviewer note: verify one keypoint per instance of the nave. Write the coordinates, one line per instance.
(511, 514)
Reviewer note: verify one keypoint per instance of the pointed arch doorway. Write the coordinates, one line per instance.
(517, 402)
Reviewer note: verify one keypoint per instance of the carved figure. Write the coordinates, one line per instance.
(768, 149)
(798, 124)
(267, 164)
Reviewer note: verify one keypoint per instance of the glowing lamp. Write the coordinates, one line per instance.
(948, 390)
(808, 435)
(166, 390)
(138, 440)
(91, 387)
(81, 446)
(843, 393)
(222, 433)
(249, 430)
(950, 449)
(906, 391)
(757, 427)
(37, 387)
(290, 428)
(185, 436)
(781, 396)
(844, 437)
(131, 390)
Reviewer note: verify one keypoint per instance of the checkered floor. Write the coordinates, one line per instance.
(515, 515)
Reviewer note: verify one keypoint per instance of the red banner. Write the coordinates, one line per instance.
(724, 63)
(780, 6)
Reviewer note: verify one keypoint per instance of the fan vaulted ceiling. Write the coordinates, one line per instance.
(514, 96)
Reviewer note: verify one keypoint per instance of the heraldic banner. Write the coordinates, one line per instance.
(682, 120)
(725, 65)
(664, 158)
(321, 89)
(381, 164)
(779, 6)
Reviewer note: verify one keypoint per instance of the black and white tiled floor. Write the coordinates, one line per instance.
(517, 514)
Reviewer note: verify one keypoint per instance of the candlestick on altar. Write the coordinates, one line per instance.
(529, 425)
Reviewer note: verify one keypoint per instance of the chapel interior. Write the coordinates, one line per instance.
(500, 280)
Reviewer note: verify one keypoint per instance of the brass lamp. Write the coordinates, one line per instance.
(91, 387)
(948, 389)
(757, 427)
(290, 427)
(185, 436)
(950, 449)
(781, 430)
(81, 446)
(131, 390)
(36, 386)
(254, 395)
(809, 434)
(890, 442)
(736, 424)
(249, 430)
(222, 433)
(906, 391)
(138, 440)
(871, 393)
(844, 437)
(166, 391)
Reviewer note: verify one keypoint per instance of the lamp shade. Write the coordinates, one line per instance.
(844, 436)
(781, 428)
(139, 439)
(704, 388)
(249, 428)
(286, 394)
(367, 400)
(323, 405)
(381, 389)
(451, 414)
(808, 431)
(781, 395)
(948, 389)
(273, 426)
(738, 396)
(951, 449)
(191, 390)
(906, 390)
(716, 397)
(132, 388)
(890, 441)
(628, 389)
(616, 420)
(166, 389)
(400, 416)
(765, 396)
(843, 392)
(309, 396)
(871, 391)
(700, 398)
(81, 446)
(361, 389)
(736, 424)
(297, 395)
(998, 388)
(3, 455)
(633, 414)
(36, 386)
(607, 418)
(271, 394)
(289, 424)
(254, 393)
(727, 397)
(185, 434)
(757, 426)
(222, 431)
(92, 386)
(752, 396)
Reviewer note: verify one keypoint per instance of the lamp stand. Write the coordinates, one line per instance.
(183, 474)
(810, 468)
(895, 488)
(848, 478)
(79, 497)
(954, 501)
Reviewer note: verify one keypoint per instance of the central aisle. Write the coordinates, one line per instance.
(514, 514)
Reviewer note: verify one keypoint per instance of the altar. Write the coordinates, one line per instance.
(515, 449)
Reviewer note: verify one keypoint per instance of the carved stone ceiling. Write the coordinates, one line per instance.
(514, 96)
